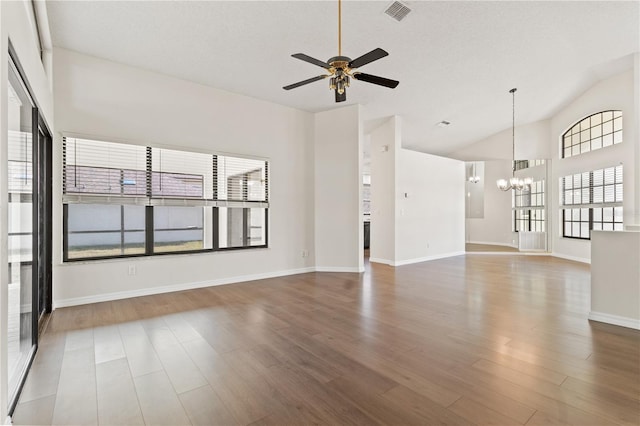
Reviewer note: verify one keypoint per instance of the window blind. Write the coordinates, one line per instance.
(103, 168)
(19, 152)
(163, 176)
(180, 174)
(602, 186)
(241, 179)
(592, 200)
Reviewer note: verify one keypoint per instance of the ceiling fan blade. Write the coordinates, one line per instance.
(374, 55)
(307, 81)
(380, 81)
(341, 98)
(311, 60)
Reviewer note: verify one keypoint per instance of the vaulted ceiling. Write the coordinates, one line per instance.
(455, 60)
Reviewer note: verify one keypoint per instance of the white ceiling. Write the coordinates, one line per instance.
(455, 60)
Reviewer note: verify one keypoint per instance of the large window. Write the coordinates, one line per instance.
(528, 208)
(127, 200)
(104, 230)
(592, 200)
(594, 132)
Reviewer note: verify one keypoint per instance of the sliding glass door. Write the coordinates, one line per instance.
(29, 231)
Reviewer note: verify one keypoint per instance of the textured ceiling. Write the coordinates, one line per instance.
(455, 60)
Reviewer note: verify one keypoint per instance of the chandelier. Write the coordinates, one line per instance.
(514, 183)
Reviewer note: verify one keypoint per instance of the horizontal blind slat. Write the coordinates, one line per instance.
(109, 169)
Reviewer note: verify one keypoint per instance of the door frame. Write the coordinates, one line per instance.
(42, 161)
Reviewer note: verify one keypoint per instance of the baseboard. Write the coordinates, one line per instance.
(379, 260)
(74, 301)
(509, 253)
(574, 258)
(492, 243)
(352, 269)
(427, 258)
(615, 320)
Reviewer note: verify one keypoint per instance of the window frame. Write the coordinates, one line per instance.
(577, 129)
(589, 204)
(536, 196)
(151, 201)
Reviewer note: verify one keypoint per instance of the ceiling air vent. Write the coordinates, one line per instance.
(397, 11)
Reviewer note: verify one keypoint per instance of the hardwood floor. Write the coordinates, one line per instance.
(488, 248)
(466, 340)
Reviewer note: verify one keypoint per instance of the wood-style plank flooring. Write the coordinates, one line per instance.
(475, 339)
(488, 248)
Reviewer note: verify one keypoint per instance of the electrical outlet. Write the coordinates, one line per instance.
(132, 269)
(305, 253)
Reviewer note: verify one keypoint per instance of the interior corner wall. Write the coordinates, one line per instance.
(417, 201)
(430, 207)
(384, 145)
(103, 99)
(339, 234)
(635, 218)
(15, 27)
(495, 227)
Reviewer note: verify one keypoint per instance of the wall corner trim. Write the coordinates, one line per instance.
(615, 320)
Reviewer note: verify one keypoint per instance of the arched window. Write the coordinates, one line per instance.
(594, 132)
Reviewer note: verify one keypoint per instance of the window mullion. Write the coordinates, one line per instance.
(148, 227)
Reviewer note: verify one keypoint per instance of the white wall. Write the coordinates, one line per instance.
(385, 141)
(417, 201)
(635, 132)
(532, 142)
(429, 207)
(339, 235)
(615, 278)
(16, 26)
(96, 98)
(495, 227)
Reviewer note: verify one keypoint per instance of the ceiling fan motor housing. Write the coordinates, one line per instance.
(341, 62)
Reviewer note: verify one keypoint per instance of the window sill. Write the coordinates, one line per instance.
(138, 257)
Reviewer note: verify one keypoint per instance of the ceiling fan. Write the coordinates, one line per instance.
(342, 68)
